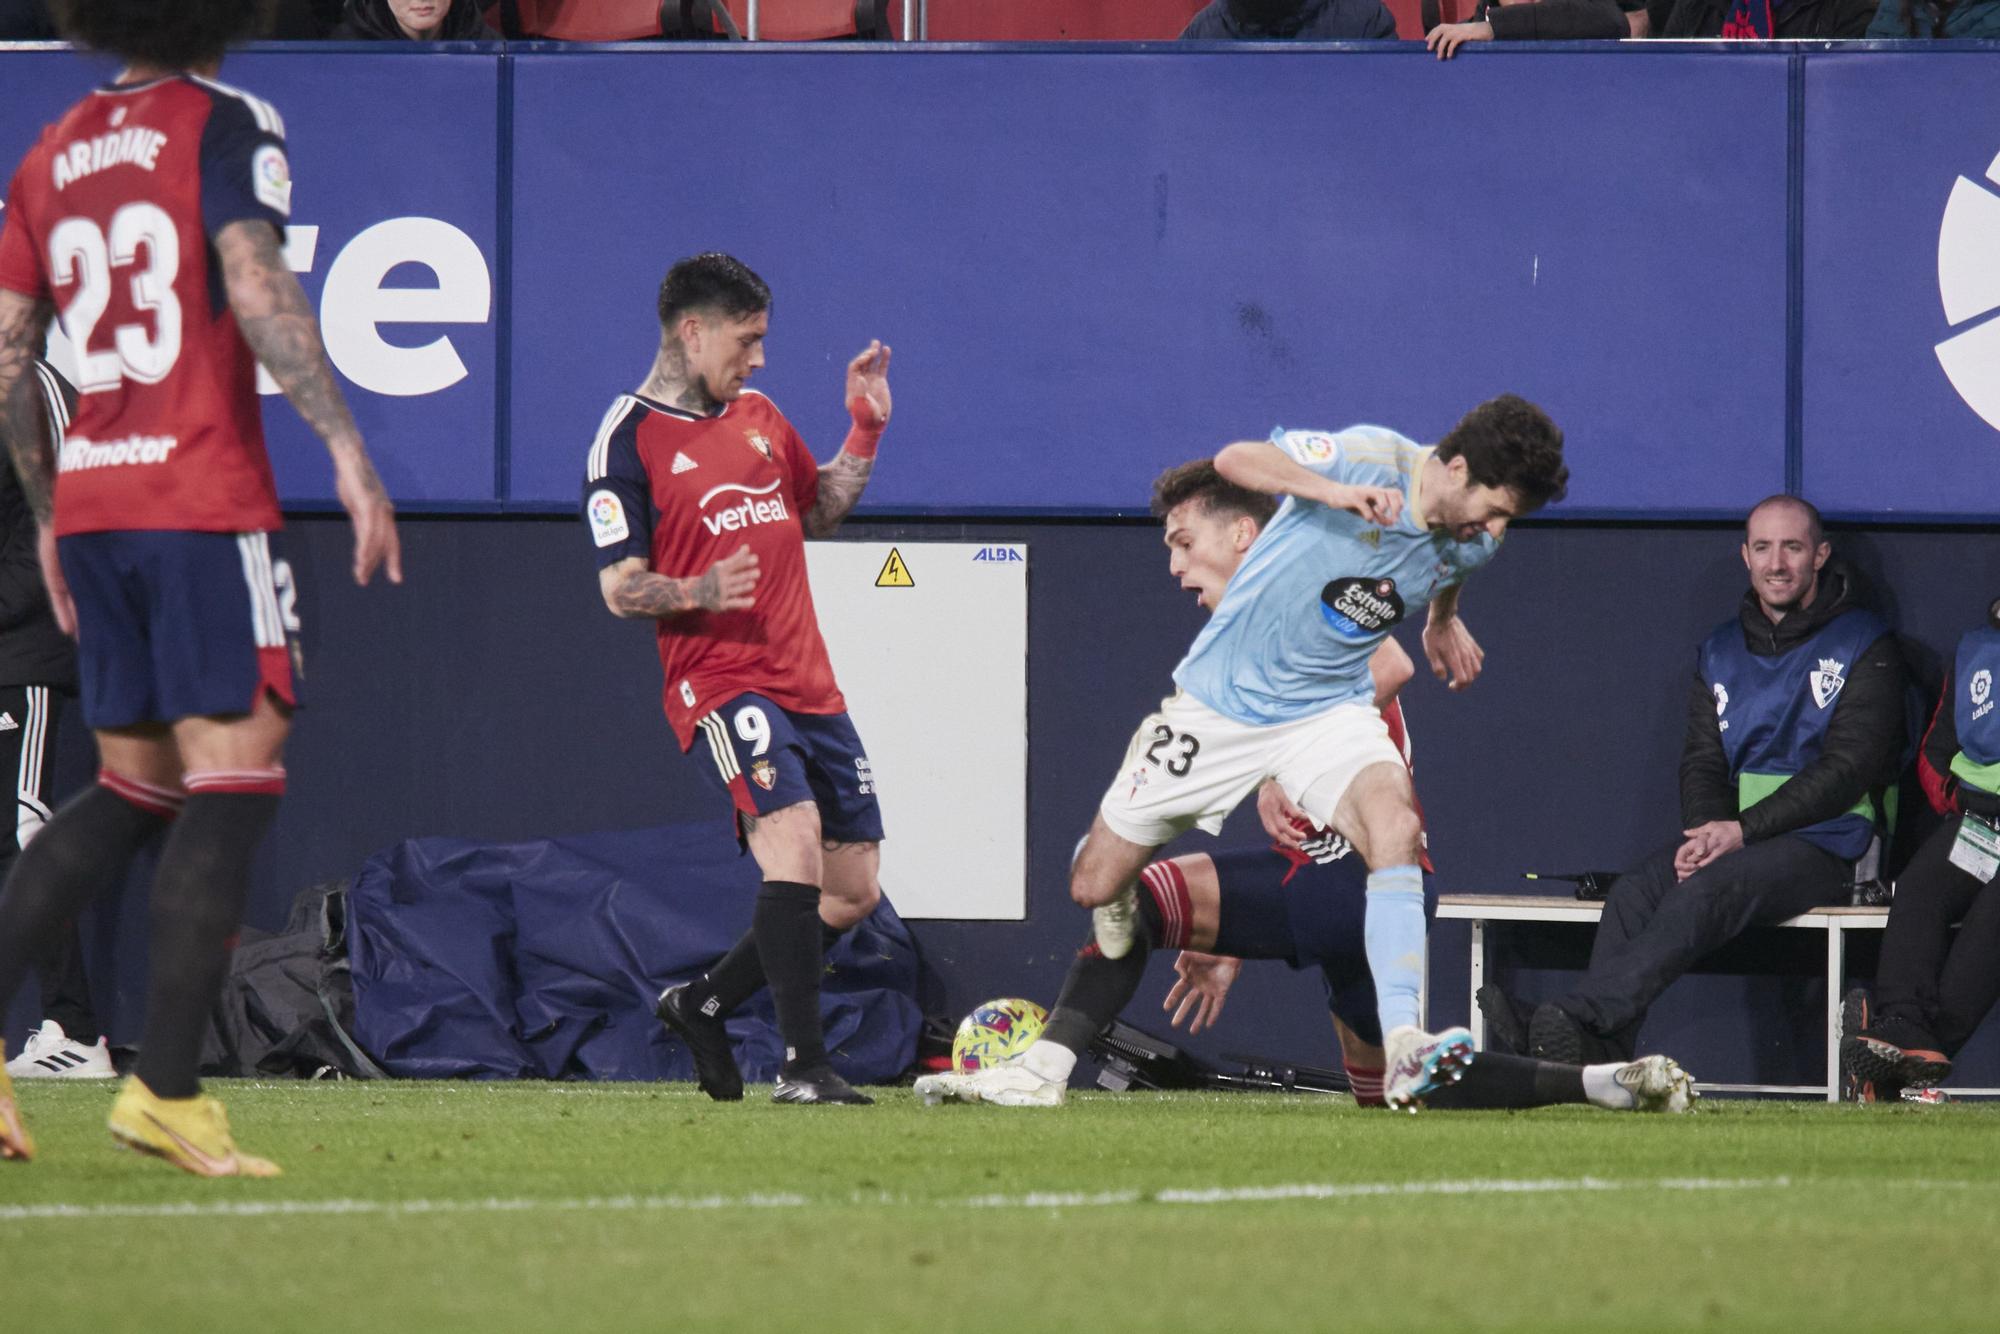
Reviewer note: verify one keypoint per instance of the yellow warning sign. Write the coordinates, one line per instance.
(894, 574)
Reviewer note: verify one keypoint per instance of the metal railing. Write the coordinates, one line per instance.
(916, 20)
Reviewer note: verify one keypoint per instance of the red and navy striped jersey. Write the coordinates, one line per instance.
(111, 216)
(683, 492)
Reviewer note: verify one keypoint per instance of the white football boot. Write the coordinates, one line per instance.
(1010, 1085)
(1420, 1063)
(1657, 1084)
(1115, 923)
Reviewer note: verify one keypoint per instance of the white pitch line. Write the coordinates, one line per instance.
(39, 1213)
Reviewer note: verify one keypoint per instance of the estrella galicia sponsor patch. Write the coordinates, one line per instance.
(607, 518)
(1360, 608)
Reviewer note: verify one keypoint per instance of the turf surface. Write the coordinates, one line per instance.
(574, 1208)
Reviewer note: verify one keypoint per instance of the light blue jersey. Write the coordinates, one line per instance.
(1320, 588)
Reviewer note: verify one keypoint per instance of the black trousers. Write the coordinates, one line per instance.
(1942, 984)
(1654, 928)
(28, 719)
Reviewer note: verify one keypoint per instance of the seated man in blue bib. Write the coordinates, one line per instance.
(1797, 717)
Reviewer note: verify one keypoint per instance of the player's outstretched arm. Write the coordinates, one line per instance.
(842, 480)
(630, 589)
(1262, 466)
(280, 327)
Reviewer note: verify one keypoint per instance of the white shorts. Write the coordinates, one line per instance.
(1188, 766)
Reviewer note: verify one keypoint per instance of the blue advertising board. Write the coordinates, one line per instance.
(395, 237)
(1902, 278)
(1093, 265)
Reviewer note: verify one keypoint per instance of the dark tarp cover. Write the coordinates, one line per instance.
(542, 959)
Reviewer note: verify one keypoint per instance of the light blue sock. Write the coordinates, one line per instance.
(1394, 936)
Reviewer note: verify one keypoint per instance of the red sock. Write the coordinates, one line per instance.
(1366, 1084)
(1169, 891)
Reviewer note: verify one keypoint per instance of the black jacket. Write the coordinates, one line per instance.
(1312, 21)
(33, 652)
(1790, 18)
(1557, 21)
(371, 21)
(1865, 739)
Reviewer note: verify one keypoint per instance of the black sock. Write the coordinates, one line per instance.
(739, 974)
(1098, 988)
(787, 927)
(197, 906)
(1497, 1080)
(66, 988)
(84, 848)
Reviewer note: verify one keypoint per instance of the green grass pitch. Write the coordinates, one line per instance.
(441, 1207)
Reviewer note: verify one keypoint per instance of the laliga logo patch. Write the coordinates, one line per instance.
(1313, 447)
(271, 179)
(1982, 692)
(1360, 609)
(1827, 681)
(764, 774)
(607, 519)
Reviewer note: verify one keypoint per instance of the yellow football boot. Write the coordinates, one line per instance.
(16, 1145)
(190, 1133)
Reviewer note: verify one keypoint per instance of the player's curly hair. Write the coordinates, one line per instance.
(167, 34)
(712, 281)
(1509, 442)
(1198, 480)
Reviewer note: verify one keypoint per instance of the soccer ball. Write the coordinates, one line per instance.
(997, 1032)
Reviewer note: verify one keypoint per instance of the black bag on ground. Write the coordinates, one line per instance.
(287, 1007)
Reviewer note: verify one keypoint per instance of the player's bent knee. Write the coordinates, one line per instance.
(1393, 838)
(1091, 891)
(848, 906)
(786, 843)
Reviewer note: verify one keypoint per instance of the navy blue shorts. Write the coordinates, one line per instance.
(175, 625)
(1317, 921)
(768, 758)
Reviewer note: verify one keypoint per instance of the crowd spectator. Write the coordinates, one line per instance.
(1930, 18)
(1290, 20)
(413, 21)
(1532, 21)
(1759, 19)
(26, 21)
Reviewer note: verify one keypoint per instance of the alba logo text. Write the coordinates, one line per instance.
(1969, 284)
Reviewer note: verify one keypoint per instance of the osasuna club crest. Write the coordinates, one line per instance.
(1827, 681)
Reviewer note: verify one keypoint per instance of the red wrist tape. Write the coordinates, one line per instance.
(862, 441)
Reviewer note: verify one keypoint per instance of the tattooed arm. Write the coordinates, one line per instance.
(282, 330)
(24, 425)
(842, 481)
(630, 589)
(26, 434)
